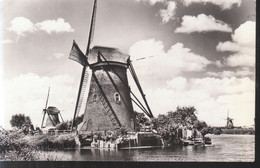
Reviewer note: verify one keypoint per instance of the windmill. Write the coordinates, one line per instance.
(52, 113)
(109, 101)
(229, 121)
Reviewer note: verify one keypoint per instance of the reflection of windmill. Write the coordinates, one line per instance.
(108, 105)
(52, 113)
(229, 121)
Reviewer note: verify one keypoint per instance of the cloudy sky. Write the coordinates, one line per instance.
(197, 53)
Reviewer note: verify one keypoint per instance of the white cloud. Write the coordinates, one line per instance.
(245, 34)
(178, 83)
(202, 23)
(145, 48)
(151, 2)
(165, 65)
(242, 44)
(224, 4)
(27, 94)
(215, 86)
(228, 46)
(55, 56)
(7, 41)
(21, 26)
(212, 97)
(240, 60)
(218, 63)
(58, 55)
(167, 14)
(56, 26)
(238, 73)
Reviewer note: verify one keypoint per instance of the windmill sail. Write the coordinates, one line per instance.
(92, 26)
(45, 109)
(82, 93)
(77, 55)
(132, 71)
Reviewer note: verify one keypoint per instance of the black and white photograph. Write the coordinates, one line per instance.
(128, 80)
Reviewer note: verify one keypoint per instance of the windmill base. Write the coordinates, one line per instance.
(131, 140)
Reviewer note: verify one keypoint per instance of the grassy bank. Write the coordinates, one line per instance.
(15, 146)
(46, 142)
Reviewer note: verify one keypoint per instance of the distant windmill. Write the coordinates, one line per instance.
(108, 105)
(229, 121)
(52, 113)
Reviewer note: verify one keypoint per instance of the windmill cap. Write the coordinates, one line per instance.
(53, 110)
(111, 54)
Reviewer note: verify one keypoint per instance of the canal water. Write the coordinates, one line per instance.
(224, 148)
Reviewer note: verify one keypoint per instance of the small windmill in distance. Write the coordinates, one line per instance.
(52, 113)
(229, 122)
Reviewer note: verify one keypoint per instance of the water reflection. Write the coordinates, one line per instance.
(224, 148)
(103, 154)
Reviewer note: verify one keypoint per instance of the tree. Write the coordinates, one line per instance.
(184, 116)
(141, 118)
(18, 120)
(200, 125)
(168, 124)
(64, 125)
(67, 124)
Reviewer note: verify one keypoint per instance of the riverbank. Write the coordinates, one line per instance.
(15, 146)
(248, 131)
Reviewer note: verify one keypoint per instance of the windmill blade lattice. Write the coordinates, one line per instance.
(45, 109)
(47, 99)
(83, 90)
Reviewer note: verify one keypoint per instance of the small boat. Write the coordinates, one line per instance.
(187, 142)
(207, 141)
(198, 141)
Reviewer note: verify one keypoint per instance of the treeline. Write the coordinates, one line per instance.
(249, 131)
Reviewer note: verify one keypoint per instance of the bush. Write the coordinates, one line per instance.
(15, 146)
(46, 142)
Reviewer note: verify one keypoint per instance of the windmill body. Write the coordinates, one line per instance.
(52, 118)
(108, 105)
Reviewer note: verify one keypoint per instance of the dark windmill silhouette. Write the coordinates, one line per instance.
(229, 121)
(53, 114)
(109, 101)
